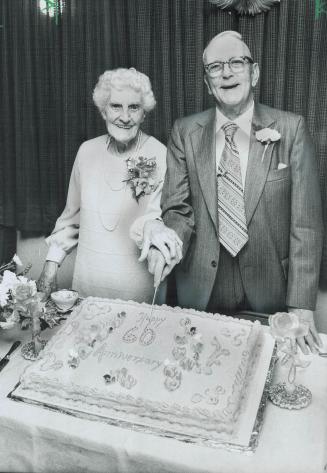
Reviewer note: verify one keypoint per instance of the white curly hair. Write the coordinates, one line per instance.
(120, 79)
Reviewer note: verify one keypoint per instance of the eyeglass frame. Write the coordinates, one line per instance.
(245, 58)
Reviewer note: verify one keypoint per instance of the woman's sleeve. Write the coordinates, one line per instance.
(153, 209)
(65, 234)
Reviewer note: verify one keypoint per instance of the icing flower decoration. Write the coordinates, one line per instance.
(84, 351)
(125, 379)
(73, 359)
(109, 378)
(173, 376)
(267, 136)
(179, 352)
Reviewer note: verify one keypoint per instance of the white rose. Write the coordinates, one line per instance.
(9, 280)
(287, 325)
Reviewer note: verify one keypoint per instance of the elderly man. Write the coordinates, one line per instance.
(242, 193)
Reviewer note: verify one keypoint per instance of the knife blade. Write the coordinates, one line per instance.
(6, 358)
(153, 300)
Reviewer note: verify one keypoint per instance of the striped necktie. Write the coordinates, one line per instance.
(233, 232)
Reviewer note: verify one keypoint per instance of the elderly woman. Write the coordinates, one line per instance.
(116, 182)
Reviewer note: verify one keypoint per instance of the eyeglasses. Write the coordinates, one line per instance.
(235, 64)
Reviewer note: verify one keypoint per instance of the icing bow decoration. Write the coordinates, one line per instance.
(267, 136)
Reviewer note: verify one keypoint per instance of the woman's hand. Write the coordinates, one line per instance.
(155, 233)
(47, 282)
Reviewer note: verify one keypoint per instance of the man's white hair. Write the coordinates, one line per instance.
(233, 35)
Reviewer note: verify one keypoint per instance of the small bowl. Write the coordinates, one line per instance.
(64, 299)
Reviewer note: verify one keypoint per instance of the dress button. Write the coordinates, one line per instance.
(214, 264)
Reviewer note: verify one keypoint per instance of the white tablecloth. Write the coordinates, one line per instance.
(33, 439)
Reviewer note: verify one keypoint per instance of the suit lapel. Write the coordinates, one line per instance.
(204, 148)
(258, 162)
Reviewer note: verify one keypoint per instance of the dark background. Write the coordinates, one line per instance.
(49, 67)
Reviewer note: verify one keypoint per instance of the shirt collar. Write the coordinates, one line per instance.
(243, 121)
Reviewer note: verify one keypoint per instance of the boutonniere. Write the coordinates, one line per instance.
(267, 136)
(141, 176)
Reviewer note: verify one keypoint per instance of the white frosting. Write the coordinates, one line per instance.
(177, 370)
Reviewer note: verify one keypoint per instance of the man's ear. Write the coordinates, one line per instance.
(104, 116)
(255, 74)
(207, 84)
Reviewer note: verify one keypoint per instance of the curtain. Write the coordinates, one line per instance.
(7, 243)
(49, 67)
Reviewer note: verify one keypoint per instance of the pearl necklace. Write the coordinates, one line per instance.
(113, 227)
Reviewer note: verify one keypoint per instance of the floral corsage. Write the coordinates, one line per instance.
(267, 136)
(141, 176)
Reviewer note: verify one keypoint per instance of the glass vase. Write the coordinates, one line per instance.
(30, 351)
(288, 394)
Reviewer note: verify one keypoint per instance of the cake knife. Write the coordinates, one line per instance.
(153, 300)
(6, 358)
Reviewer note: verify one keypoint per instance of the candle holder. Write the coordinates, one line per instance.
(285, 328)
(288, 394)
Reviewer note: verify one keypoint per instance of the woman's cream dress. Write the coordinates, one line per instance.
(98, 216)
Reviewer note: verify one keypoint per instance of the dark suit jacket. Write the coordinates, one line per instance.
(280, 263)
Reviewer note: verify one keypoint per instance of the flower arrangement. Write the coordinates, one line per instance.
(141, 173)
(20, 303)
(19, 299)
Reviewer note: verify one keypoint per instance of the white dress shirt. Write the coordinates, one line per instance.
(241, 137)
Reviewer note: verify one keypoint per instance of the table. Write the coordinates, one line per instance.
(33, 439)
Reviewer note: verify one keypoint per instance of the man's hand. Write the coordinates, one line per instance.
(155, 233)
(158, 267)
(312, 340)
(47, 282)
